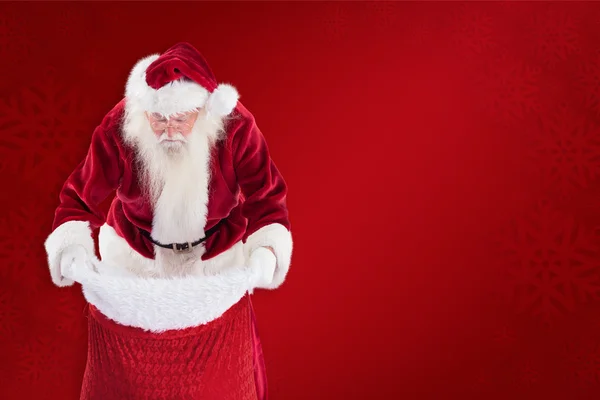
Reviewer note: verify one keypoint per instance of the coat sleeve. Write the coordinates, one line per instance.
(80, 199)
(265, 193)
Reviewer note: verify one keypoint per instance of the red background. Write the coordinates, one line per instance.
(444, 169)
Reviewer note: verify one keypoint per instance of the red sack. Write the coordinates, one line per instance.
(216, 361)
(172, 339)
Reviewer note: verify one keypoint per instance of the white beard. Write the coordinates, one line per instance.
(175, 177)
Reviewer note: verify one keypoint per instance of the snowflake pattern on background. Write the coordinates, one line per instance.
(15, 43)
(551, 264)
(39, 128)
(481, 383)
(472, 29)
(385, 13)
(11, 315)
(420, 31)
(583, 360)
(580, 349)
(21, 248)
(72, 19)
(63, 315)
(335, 22)
(567, 150)
(6, 165)
(528, 375)
(71, 316)
(508, 89)
(91, 64)
(25, 264)
(42, 361)
(555, 35)
(588, 73)
(504, 336)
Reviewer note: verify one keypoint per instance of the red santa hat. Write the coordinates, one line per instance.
(176, 81)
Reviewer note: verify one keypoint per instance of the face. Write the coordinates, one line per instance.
(171, 149)
(172, 132)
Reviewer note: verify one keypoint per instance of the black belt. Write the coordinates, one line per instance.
(182, 247)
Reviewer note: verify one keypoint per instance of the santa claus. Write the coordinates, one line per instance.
(198, 221)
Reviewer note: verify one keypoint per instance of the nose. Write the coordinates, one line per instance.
(171, 131)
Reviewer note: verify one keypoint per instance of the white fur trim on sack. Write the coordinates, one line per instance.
(160, 304)
(279, 238)
(176, 97)
(68, 234)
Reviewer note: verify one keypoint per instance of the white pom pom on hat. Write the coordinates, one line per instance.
(222, 100)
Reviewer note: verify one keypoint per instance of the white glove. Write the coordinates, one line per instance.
(74, 256)
(263, 263)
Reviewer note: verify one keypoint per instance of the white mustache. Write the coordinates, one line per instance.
(177, 137)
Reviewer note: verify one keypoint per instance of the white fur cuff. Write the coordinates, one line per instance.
(279, 239)
(67, 234)
(262, 263)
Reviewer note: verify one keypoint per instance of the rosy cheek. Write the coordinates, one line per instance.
(157, 132)
(185, 131)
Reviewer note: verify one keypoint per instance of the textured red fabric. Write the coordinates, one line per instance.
(240, 165)
(180, 61)
(210, 362)
(260, 370)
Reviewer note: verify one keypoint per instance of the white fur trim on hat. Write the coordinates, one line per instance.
(176, 97)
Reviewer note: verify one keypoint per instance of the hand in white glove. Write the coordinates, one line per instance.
(74, 256)
(262, 262)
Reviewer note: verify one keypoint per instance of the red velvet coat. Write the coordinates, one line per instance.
(247, 194)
